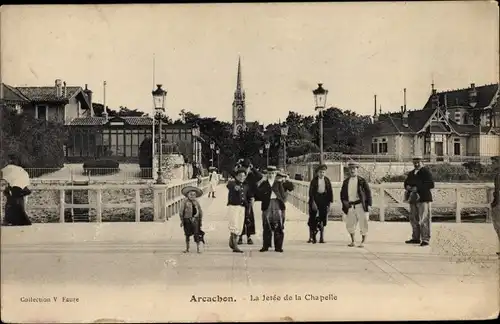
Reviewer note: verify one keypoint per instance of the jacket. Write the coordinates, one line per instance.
(423, 181)
(252, 179)
(280, 189)
(238, 193)
(313, 189)
(364, 193)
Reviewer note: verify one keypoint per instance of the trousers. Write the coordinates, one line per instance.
(236, 218)
(355, 215)
(420, 220)
(495, 219)
(273, 224)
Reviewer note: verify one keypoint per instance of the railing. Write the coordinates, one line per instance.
(446, 195)
(165, 203)
(334, 156)
(77, 173)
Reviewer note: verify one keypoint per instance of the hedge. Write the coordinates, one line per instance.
(445, 172)
(101, 167)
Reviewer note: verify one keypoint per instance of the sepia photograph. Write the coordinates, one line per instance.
(250, 162)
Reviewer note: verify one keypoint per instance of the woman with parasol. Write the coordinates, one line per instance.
(17, 188)
(191, 216)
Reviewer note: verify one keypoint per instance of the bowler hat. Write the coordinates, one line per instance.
(271, 168)
(241, 170)
(246, 163)
(188, 189)
(417, 158)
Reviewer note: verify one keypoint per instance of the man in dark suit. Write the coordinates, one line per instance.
(320, 199)
(495, 204)
(356, 199)
(419, 183)
(273, 194)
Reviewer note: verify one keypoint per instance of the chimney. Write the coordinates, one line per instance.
(404, 116)
(58, 84)
(404, 102)
(64, 89)
(472, 95)
(435, 99)
(88, 92)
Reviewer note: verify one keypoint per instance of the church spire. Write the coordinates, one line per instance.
(238, 78)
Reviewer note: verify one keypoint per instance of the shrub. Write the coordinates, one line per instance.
(37, 143)
(101, 167)
(473, 167)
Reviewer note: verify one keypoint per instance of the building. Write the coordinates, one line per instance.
(60, 103)
(239, 106)
(93, 137)
(455, 123)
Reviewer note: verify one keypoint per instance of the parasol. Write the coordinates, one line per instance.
(16, 176)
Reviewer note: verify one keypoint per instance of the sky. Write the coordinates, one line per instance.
(355, 49)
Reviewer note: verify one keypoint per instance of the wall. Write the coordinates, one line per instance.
(335, 171)
(490, 145)
(71, 110)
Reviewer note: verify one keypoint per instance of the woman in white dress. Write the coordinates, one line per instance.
(213, 181)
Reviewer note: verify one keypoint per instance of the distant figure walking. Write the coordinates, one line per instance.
(17, 188)
(320, 199)
(418, 185)
(495, 204)
(213, 181)
(356, 200)
(191, 216)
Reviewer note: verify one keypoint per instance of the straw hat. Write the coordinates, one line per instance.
(188, 189)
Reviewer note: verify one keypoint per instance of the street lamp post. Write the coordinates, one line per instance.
(212, 146)
(195, 131)
(159, 102)
(284, 134)
(218, 158)
(267, 153)
(320, 100)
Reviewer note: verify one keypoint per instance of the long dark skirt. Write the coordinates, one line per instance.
(320, 217)
(192, 227)
(249, 224)
(15, 213)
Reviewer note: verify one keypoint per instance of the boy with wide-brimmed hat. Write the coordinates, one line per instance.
(356, 198)
(320, 199)
(191, 215)
(238, 198)
(273, 193)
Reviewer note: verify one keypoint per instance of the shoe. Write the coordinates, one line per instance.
(310, 240)
(249, 241)
(240, 240)
(279, 250)
(264, 249)
(424, 243)
(412, 241)
(321, 240)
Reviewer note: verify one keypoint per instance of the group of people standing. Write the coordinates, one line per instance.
(271, 189)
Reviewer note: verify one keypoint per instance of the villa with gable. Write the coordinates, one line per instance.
(452, 125)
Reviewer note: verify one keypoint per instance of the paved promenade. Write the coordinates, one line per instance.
(137, 272)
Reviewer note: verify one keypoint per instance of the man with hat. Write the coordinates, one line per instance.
(418, 185)
(356, 198)
(239, 196)
(252, 177)
(495, 204)
(213, 181)
(320, 199)
(273, 193)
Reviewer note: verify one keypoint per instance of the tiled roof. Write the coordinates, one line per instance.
(460, 97)
(393, 123)
(96, 121)
(46, 93)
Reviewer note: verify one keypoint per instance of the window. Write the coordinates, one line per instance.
(466, 118)
(382, 146)
(374, 146)
(456, 147)
(41, 112)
